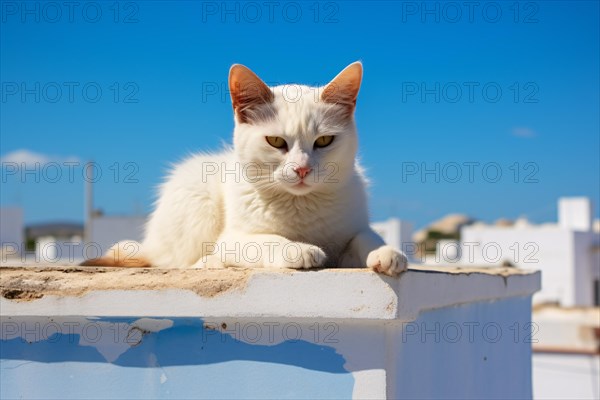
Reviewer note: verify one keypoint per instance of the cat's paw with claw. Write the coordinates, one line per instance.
(298, 256)
(387, 260)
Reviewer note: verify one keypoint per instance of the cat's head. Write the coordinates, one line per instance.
(294, 138)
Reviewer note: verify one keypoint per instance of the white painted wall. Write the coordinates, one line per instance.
(108, 230)
(559, 329)
(396, 233)
(58, 251)
(548, 248)
(566, 252)
(566, 364)
(566, 376)
(474, 351)
(12, 231)
(584, 270)
(448, 251)
(565, 257)
(575, 213)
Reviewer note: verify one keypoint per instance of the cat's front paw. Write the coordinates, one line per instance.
(298, 256)
(387, 260)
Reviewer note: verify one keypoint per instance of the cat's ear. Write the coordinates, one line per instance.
(248, 94)
(343, 89)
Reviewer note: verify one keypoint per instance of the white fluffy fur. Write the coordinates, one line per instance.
(242, 207)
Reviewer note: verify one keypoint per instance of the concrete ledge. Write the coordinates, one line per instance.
(254, 293)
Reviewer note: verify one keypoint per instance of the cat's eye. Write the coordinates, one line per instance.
(324, 141)
(276, 142)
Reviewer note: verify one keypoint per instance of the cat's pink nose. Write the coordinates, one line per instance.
(302, 171)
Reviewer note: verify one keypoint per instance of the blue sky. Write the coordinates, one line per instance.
(503, 87)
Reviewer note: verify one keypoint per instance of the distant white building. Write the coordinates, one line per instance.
(55, 243)
(566, 358)
(58, 250)
(107, 230)
(396, 233)
(567, 252)
(12, 231)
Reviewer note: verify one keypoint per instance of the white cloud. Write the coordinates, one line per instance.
(523, 132)
(31, 158)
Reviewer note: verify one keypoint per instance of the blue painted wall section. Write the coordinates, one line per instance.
(185, 360)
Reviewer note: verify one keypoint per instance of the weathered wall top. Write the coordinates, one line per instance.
(255, 293)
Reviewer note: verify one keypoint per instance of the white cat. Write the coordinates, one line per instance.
(289, 194)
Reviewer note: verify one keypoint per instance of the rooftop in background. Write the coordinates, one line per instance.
(56, 229)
